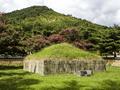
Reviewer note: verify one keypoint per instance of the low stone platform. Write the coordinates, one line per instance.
(45, 67)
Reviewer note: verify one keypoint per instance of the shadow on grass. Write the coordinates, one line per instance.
(15, 80)
(4, 72)
(13, 73)
(17, 83)
(108, 85)
(72, 85)
(10, 67)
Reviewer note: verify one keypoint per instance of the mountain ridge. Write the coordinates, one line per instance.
(40, 10)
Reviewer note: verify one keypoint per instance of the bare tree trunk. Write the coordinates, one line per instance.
(115, 54)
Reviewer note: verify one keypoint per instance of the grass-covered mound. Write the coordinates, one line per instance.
(63, 51)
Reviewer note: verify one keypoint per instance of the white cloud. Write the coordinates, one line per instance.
(10, 5)
(105, 12)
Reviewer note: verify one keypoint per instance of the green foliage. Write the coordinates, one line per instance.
(111, 42)
(18, 27)
(42, 20)
(19, 15)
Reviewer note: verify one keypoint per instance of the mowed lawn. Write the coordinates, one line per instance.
(17, 79)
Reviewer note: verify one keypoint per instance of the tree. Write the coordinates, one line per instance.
(111, 42)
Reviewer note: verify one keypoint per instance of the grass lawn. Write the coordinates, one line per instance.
(63, 51)
(17, 79)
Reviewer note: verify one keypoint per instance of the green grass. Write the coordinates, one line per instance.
(17, 79)
(63, 50)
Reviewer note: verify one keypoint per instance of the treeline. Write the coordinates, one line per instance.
(29, 30)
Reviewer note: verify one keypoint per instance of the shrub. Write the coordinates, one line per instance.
(79, 44)
(35, 43)
(70, 34)
(86, 45)
(56, 38)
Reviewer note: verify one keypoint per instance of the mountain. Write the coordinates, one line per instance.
(28, 29)
(45, 18)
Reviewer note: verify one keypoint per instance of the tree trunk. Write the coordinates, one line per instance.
(115, 54)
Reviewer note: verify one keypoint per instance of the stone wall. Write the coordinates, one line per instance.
(11, 62)
(35, 66)
(45, 67)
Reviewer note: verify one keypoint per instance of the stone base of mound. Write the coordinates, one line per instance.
(45, 67)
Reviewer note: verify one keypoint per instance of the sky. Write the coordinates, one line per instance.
(104, 12)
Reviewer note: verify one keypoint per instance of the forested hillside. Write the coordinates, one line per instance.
(29, 30)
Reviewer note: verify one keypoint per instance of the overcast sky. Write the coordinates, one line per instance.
(104, 12)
